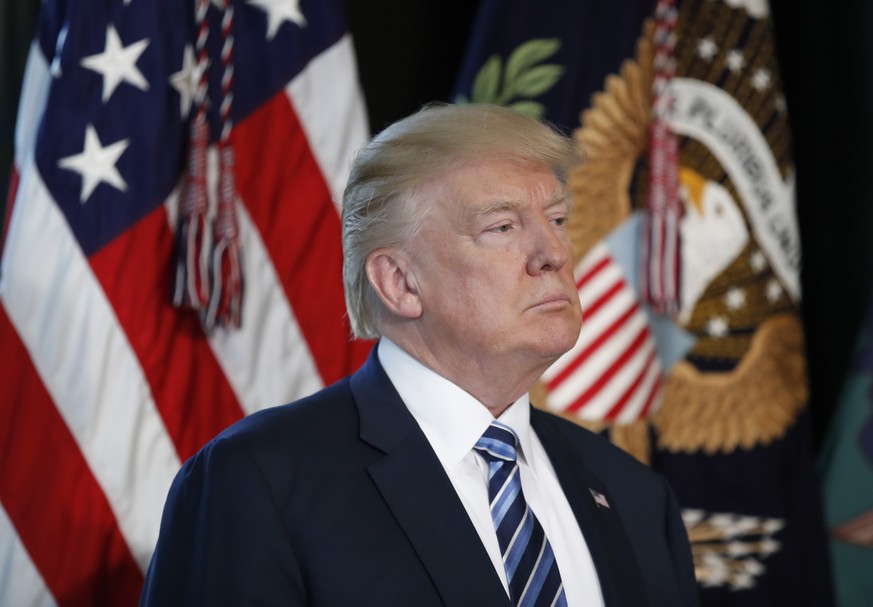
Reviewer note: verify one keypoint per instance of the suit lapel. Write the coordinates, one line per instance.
(617, 568)
(421, 496)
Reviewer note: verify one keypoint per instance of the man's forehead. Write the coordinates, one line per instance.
(485, 187)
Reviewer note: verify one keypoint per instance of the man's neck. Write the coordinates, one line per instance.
(495, 384)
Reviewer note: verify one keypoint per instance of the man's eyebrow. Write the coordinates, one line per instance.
(496, 207)
(560, 196)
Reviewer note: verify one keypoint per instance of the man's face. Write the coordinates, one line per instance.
(493, 265)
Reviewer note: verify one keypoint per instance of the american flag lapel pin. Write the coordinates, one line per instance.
(599, 499)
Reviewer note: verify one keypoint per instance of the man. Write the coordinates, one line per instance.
(426, 478)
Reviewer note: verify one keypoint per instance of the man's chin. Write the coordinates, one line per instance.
(559, 337)
(554, 346)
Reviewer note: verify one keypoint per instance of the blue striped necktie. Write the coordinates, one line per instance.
(530, 565)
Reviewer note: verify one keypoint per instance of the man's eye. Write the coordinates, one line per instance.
(559, 221)
(504, 227)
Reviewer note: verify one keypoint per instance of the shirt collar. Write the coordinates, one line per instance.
(451, 419)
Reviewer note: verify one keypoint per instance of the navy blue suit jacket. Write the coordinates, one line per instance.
(338, 499)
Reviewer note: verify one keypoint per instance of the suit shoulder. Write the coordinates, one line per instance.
(625, 475)
(594, 447)
(295, 426)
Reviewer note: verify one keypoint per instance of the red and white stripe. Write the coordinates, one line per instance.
(613, 372)
(106, 388)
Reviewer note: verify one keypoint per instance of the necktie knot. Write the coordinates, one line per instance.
(498, 443)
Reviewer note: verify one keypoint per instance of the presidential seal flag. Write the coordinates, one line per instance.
(107, 386)
(686, 240)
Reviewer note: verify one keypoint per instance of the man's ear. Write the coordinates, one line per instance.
(392, 278)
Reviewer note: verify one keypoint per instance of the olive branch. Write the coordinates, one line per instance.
(522, 79)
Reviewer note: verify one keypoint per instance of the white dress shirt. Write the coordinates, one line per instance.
(453, 421)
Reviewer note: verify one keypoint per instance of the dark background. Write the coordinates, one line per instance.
(409, 52)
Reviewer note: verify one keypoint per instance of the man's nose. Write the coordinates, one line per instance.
(550, 248)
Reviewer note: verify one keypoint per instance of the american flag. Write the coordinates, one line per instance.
(613, 373)
(105, 387)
